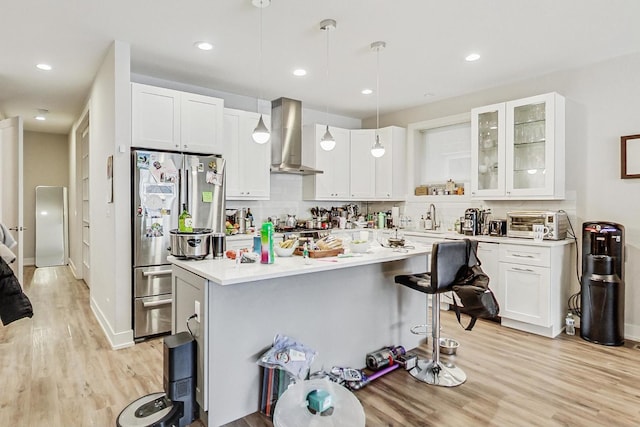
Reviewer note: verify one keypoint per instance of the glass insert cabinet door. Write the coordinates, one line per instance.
(530, 149)
(488, 150)
(529, 142)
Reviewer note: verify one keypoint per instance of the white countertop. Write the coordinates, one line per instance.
(482, 238)
(228, 272)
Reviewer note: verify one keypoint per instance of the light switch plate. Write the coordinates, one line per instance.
(197, 310)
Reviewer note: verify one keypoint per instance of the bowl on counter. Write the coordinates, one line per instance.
(284, 252)
(359, 246)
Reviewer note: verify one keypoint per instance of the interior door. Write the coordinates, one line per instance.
(86, 223)
(11, 190)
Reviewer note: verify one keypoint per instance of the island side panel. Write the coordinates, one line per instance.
(190, 291)
(342, 314)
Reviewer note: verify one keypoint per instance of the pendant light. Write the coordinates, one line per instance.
(378, 149)
(328, 142)
(261, 132)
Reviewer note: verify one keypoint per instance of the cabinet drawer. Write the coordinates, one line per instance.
(529, 255)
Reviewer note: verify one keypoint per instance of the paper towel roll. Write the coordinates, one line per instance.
(395, 215)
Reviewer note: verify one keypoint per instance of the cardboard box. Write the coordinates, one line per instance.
(422, 190)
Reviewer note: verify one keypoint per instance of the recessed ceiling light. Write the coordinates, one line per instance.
(203, 45)
(367, 91)
(42, 114)
(44, 67)
(299, 72)
(429, 94)
(472, 57)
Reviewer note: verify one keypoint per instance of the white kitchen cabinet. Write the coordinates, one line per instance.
(518, 149)
(167, 119)
(489, 256)
(379, 178)
(333, 183)
(248, 163)
(533, 287)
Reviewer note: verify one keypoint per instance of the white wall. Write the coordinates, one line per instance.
(109, 109)
(602, 106)
(46, 162)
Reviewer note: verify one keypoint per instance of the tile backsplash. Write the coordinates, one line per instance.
(286, 199)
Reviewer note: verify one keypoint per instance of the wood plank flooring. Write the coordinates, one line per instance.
(57, 369)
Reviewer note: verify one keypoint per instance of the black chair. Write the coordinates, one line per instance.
(447, 258)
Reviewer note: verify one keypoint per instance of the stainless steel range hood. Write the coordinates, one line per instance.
(286, 138)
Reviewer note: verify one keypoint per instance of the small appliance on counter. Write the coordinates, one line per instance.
(498, 227)
(471, 225)
(520, 224)
(191, 245)
(602, 284)
(177, 406)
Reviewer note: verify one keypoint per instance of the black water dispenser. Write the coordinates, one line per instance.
(602, 286)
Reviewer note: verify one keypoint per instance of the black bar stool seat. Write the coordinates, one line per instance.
(447, 258)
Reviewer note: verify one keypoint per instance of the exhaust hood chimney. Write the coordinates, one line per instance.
(286, 138)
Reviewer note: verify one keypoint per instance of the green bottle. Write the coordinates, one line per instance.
(185, 222)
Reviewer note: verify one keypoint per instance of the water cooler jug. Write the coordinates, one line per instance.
(602, 286)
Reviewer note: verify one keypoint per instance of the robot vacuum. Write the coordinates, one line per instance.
(176, 406)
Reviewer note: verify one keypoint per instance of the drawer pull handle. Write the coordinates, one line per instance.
(523, 256)
(523, 269)
(149, 304)
(156, 273)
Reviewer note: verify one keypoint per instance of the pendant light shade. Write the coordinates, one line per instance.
(328, 142)
(261, 133)
(378, 149)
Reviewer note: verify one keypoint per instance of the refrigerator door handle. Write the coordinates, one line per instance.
(156, 273)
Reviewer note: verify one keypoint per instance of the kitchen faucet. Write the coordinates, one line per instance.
(432, 214)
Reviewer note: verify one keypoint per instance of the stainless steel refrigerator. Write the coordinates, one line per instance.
(161, 183)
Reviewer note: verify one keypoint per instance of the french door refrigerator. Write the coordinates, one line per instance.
(161, 183)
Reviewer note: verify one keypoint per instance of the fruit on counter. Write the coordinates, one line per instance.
(287, 243)
(231, 254)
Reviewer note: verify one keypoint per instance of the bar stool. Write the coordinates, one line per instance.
(446, 260)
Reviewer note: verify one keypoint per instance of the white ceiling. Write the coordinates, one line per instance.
(427, 41)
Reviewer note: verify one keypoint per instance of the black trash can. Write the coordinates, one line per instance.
(602, 302)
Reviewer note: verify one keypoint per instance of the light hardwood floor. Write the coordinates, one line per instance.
(57, 369)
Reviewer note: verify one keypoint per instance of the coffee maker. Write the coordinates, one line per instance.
(602, 284)
(471, 225)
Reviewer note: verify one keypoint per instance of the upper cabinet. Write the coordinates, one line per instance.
(518, 149)
(373, 178)
(333, 183)
(248, 163)
(167, 119)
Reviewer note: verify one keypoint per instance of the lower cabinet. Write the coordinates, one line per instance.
(190, 296)
(534, 287)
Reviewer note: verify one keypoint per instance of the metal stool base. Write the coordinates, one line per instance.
(438, 373)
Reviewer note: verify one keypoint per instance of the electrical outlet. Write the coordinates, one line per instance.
(196, 310)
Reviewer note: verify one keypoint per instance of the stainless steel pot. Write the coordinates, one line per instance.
(194, 245)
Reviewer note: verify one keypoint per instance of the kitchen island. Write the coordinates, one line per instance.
(342, 308)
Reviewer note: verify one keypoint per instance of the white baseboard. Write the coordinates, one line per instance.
(29, 261)
(631, 332)
(74, 270)
(116, 340)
